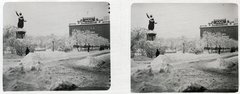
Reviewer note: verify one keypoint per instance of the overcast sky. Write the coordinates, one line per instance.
(47, 18)
(176, 20)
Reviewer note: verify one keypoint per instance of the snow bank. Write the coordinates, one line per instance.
(229, 63)
(98, 61)
(32, 59)
(220, 63)
(160, 63)
(164, 62)
(63, 86)
(143, 75)
(29, 61)
(147, 87)
(191, 87)
(24, 86)
(188, 57)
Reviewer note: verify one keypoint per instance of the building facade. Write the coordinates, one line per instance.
(226, 27)
(101, 27)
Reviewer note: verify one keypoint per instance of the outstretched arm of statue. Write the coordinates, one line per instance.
(147, 15)
(16, 13)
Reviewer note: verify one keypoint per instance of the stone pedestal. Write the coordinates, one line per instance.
(151, 35)
(20, 33)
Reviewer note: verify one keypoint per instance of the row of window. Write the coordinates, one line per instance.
(88, 28)
(221, 29)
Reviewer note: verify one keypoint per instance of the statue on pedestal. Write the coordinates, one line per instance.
(20, 33)
(151, 35)
(20, 20)
(151, 22)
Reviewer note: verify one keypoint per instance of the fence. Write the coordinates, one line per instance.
(91, 48)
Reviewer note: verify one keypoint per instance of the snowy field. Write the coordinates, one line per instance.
(44, 71)
(178, 72)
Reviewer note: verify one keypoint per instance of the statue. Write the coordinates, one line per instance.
(151, 22)
(151, 35)
(20, 33)
(20, 20)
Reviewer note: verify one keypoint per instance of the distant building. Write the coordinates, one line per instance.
(101, 27)
(229, 28)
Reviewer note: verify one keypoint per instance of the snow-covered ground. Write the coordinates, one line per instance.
(57, 68)
(215, 72)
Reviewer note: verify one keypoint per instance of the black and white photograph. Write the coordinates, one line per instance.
(56, 46)
(184, 47)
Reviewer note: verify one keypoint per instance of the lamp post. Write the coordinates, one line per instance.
(183, 47)
(53, 45)
(183, 43)
(52, 36)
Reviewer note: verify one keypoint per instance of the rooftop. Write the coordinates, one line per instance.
(91, 21)
(74, 24)
(220, 23)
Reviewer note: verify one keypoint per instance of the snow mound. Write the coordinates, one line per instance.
(160, 63)
(102, 61)
(34, 59)
(229, 63)
(63, 85)
(30, 60)
(23, 86)
(143, 74)
(14, 72)
(192, 87)
(188, 57)
(146, 87)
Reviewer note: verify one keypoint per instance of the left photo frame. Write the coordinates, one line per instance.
(52, 46)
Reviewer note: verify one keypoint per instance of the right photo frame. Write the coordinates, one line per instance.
(184, 47)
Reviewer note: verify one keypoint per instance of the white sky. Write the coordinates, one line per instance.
(176, 20)
(47, 18)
